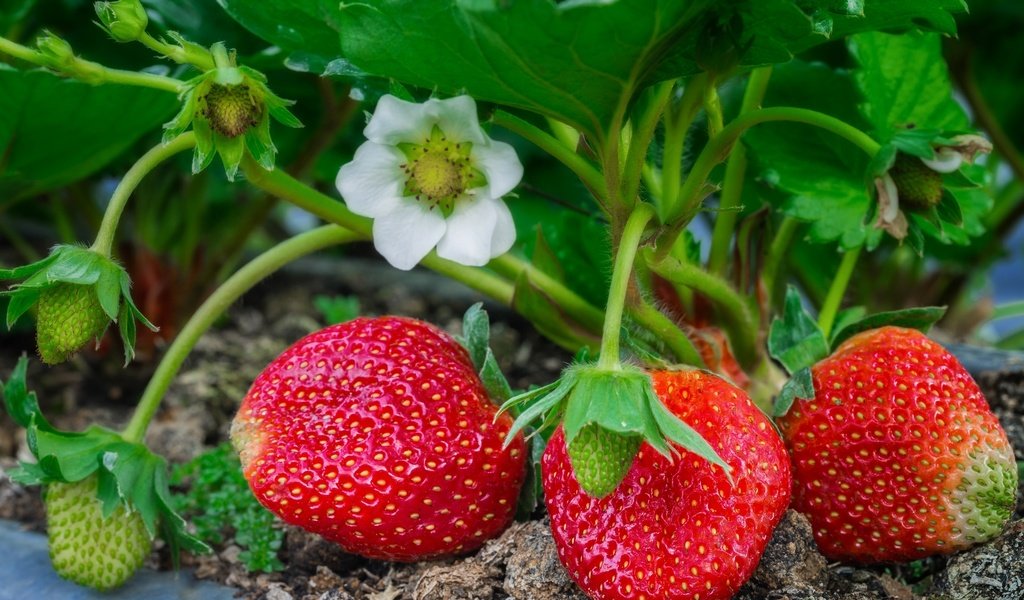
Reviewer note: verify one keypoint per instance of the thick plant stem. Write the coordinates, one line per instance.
(149, 161)
(717, 149)
(91, 72)
(834, 298)
(668, 332)
(776, 252)
(643, 133)
(738, 320)
(564, 154)
(677, 122)
(622, 273)
(241, 282)
(286, 187)
(735, 173)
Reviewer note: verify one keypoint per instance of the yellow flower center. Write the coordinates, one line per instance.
(440, 171)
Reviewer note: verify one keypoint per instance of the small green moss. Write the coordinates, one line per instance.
(222, 508)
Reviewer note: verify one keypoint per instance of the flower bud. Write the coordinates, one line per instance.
(57, 51)
(124, 20)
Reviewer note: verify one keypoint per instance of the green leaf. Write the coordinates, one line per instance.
(21, 404)
(905, 83)
(579, 62)
(57, 131)
(306, 30)
(921, 318)
(795, 340)
(751, 33)
(800, 385)
(823, 175)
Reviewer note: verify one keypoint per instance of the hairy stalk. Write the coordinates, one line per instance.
(834, 298)
(776, 252)
(622, 273)
(735, 173)
(677, 122)
(286, 187)
(192, 54)
(668, 332)
(91, 72)
(241, 282)
(149, 161)
(563, 153)
(738, 321)
(643, 133)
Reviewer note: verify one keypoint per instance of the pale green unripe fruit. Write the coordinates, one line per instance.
(86, 548)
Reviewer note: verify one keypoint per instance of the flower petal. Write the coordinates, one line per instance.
(457, 118)
(405, 235)
(396, 121)
(372, 183)
(500, 164)
(468, 238)
(946, 160)
(504, 230)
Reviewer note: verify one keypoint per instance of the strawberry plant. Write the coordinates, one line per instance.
(739, 217)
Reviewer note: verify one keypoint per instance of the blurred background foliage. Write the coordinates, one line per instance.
(64, 144)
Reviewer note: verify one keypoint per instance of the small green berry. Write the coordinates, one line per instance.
(601, 458)
(919, 186)
(86, 548)
(68, 316)
(231, 109)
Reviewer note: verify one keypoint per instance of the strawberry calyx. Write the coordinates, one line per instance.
(54, 286)
(128, 474)
(797, 342)
(608, 413)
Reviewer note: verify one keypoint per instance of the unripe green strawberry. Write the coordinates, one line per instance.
(919, 186)
(69, 316)
(601, 458)
(86, 548)
(231, 109)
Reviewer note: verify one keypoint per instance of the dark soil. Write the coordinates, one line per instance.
(521, 564)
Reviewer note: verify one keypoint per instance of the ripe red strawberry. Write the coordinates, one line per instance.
(680, 529)
(378, 434)
(898, 456)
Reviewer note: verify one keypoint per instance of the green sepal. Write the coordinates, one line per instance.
(881, 162)
(128, 472)
(916, 142)
(621, 401)
(179, 124)
(259, 144)
(920, 318)
(800, 385)
(795, 340)
(19, 303)
(531, 492)
(948, 209)
(204, 151)
(27, 270)
(475, 338)
(231, 151)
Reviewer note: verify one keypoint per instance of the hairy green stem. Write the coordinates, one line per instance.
(738, 321)
(149, 161)
(565, 154)
(677, 123)
(241, 282)
(668, 332)
(193, 54)
(286, 187)
(622, 273)
(713, 109)
(717, 149)
(91, 72)
(834, 298)
(776, 252)
(643, 133)
(735, 173)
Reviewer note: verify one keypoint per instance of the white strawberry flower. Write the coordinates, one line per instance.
(430, 177)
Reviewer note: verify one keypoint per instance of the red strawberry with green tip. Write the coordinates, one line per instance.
(675, 529)
(898, 456)
(378, 434)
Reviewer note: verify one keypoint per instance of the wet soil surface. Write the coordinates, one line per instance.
(521, 564)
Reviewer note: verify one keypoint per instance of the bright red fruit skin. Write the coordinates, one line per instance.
(377, 434)
(898, 456)
(675, 530)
